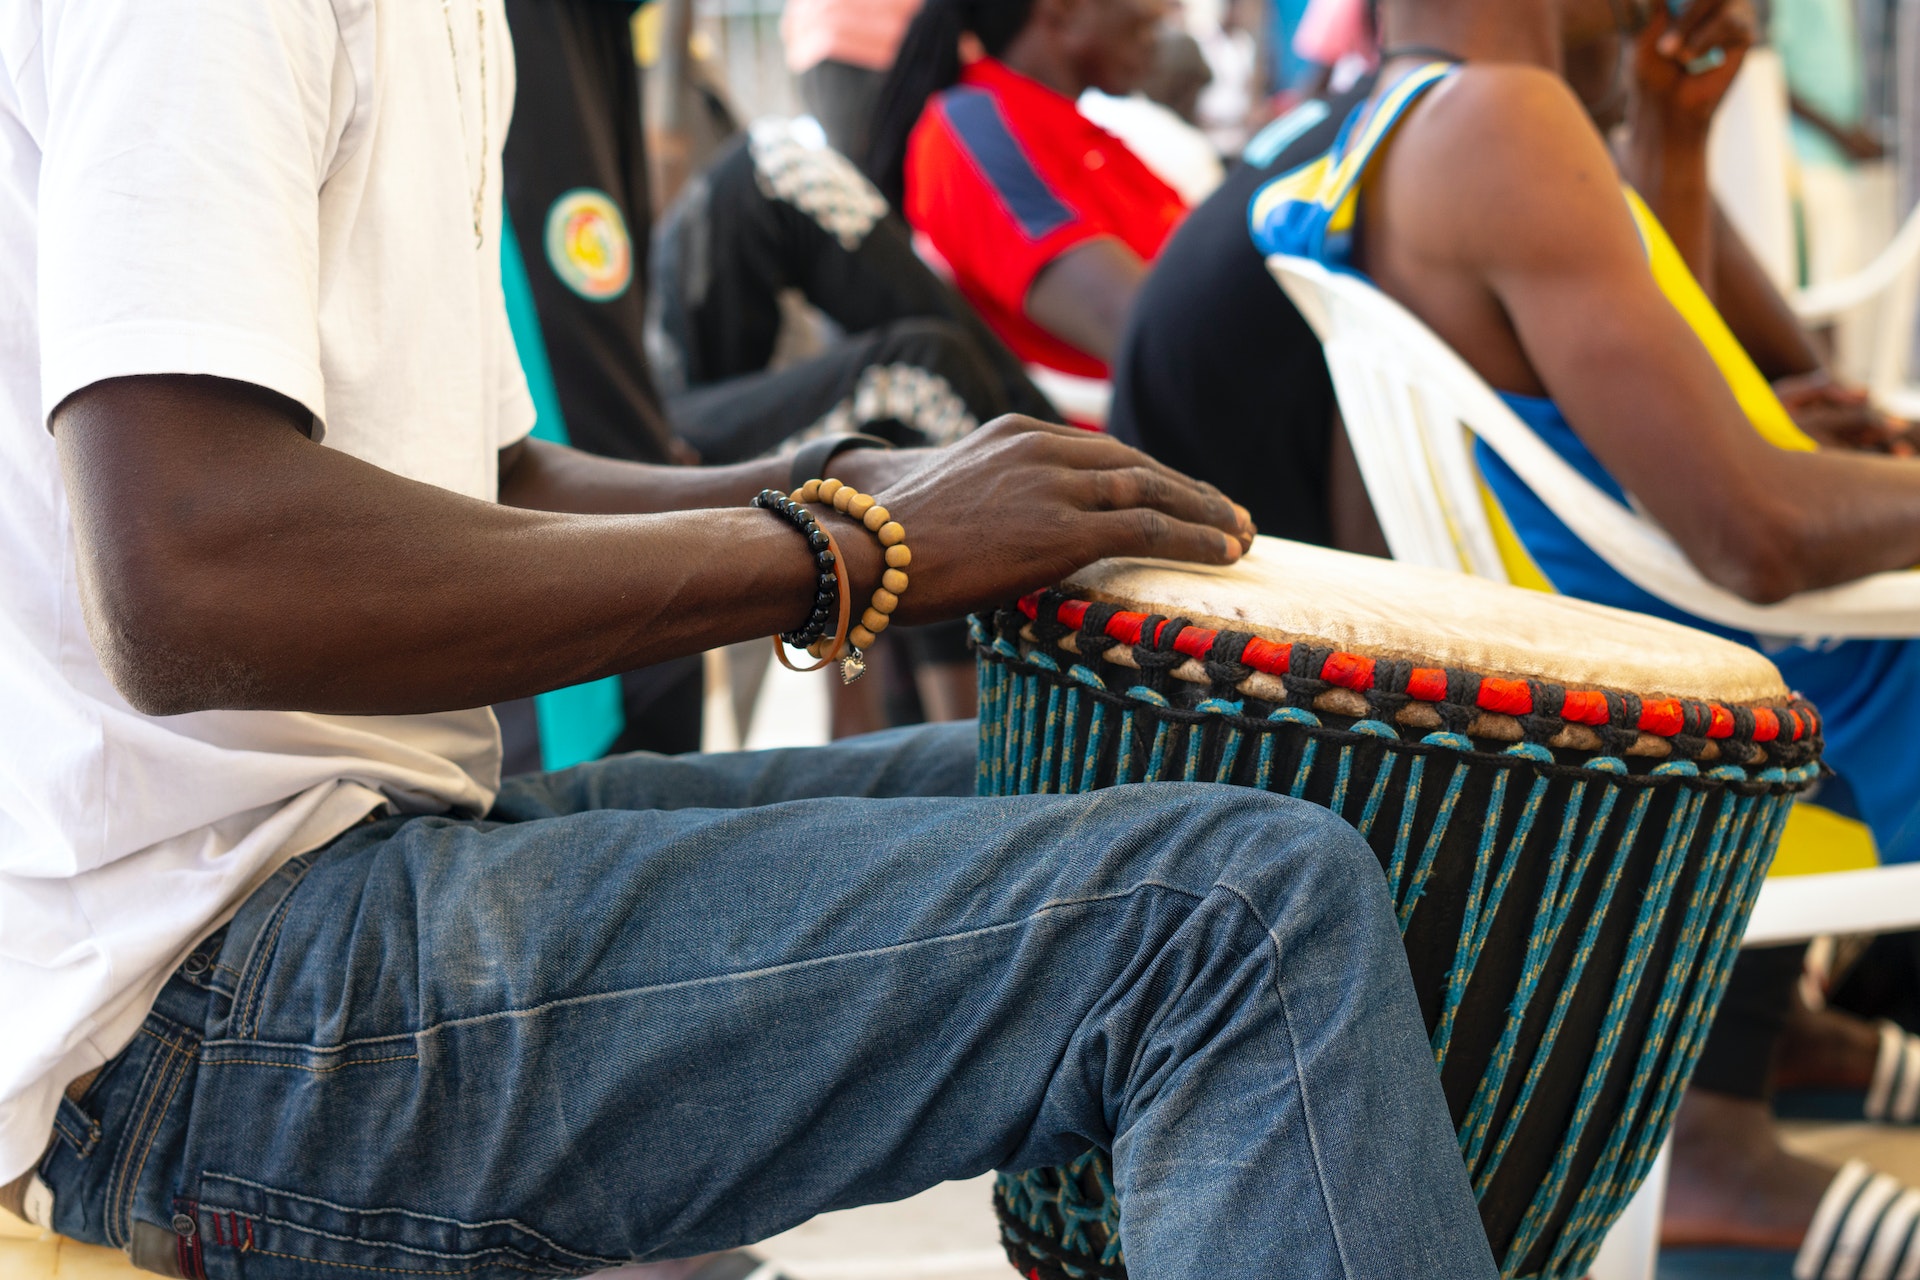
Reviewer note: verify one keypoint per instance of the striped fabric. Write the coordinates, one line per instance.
(1863, 1230)
(1894, 1096)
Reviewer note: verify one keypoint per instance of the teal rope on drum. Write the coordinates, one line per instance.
(1548, 919)
(1608, 1193)
(1626, 987)
(1596, 827)
(1483, 901)
(1416, 885)
(1096, 731)
(1632, 909)
(1383, 776)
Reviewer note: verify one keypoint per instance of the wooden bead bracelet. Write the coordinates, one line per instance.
(893, 580)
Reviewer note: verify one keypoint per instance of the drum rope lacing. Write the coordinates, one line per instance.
(1049, 1216)
(1161, 644)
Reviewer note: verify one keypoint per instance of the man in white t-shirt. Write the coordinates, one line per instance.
(295, 987)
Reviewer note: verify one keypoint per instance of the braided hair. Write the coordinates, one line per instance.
(929, 61)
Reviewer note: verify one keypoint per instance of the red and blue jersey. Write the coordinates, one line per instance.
(1003, 176)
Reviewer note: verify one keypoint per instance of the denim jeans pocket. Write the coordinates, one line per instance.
(238, 970)
(104, 1150)
(252, 1230)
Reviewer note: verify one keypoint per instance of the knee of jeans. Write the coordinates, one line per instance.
(1285, 856)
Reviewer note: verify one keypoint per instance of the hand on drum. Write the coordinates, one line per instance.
(1020, 505)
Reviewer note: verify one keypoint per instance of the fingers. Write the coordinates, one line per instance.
(1170, 494)
(1706, 25)
(1146, 532)
(1094, 452)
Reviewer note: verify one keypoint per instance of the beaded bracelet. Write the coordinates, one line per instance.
(893, 581)
(826, 593)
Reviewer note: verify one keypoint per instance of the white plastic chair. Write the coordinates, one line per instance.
(1750, 165)
(1412, 408)
(1416, 401)
(1755, 174)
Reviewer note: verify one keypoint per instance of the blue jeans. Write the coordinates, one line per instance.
(653, 1007)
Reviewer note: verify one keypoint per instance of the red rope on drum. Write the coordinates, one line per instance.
(1663, 717)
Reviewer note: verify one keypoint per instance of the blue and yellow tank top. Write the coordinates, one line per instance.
(1866, 690)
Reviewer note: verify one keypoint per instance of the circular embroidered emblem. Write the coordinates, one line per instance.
(588, 245)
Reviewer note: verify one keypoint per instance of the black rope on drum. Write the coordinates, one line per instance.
(1622, 728)
(1302, 681)
(1047, 627)
(1225, 671)
(1691, 742)
(1155, 653)
(1389, 692)
(1462, 706)
(1092, 638)
(1549, 707)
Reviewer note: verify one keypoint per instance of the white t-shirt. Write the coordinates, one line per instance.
(279, 192)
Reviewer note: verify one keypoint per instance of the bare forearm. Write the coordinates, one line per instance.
(1668, 167)
(1855, 514)
(1760, 318)
(540, 476)
(227, 561)
(303, 579)
(1084, 296)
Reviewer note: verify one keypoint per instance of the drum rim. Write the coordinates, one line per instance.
(1545, 709)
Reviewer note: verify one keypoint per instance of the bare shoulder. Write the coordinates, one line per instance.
(1504, 163)
(1504, 107)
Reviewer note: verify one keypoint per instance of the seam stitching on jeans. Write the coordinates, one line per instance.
(406, 1271)
(295, 1066)
(249, 1018)
(146, 1090)
(122, 1193)
(1293, 1048)
(146, 1148)
(687, 983)
(395, 1210)
(82, 1146)
(587, 1258)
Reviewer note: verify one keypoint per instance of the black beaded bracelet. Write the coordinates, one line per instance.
(826, 592)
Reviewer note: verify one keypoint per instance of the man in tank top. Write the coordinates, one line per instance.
(1474, 188)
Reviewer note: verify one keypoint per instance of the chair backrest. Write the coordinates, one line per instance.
(1409, 403)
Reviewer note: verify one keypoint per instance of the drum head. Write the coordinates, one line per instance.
(1290, 592)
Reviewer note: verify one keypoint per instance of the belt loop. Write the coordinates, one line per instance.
(72, 1125)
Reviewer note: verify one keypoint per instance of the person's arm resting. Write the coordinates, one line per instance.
(228, 561)
(1504, 182)
(1083, 296)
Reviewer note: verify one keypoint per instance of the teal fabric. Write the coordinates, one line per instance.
(578, 723)
(1820, 47)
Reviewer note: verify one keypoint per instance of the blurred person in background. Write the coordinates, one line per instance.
(839, 52)
(1491, 209)
(672, 354)
(1337, 38)
(1045, 220)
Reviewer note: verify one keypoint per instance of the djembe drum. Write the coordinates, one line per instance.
(1573, 807)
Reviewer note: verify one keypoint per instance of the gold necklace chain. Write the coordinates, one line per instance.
(460, 97)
